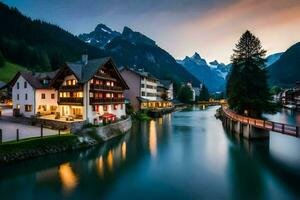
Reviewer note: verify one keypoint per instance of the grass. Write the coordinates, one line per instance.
(9, 70)
(35, 143)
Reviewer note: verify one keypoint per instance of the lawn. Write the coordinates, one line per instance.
(8, 71)
(36, 143)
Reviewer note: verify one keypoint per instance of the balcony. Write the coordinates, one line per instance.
(71, 88)
(105, 88)
(70, 101)
(106, 100)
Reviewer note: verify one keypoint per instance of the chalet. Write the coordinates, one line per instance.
(32, 94)
(90, 90)
(143, 92)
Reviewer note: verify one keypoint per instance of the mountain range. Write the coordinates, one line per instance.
(41, 46)
(134, 49)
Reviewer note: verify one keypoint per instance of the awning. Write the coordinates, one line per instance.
(108, 115)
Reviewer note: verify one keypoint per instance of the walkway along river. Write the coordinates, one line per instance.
(184, 155)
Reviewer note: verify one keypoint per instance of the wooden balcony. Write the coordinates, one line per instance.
(106, 100)
(70, 101)
(104, 77)
(105, 88)
(71, 88)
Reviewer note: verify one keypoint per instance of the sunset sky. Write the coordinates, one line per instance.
(210, 27)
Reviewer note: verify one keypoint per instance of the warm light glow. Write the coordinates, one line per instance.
(110, 159)
(100, 166)
(123, 149)
(152, 139)
(68, 177)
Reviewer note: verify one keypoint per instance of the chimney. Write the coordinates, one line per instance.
(84, 57)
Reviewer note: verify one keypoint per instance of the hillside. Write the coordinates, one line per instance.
(36, 44)
(133, 49)
(286, 71)
(9, 70)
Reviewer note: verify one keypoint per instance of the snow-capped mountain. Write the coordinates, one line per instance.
(101, 36)
(212, 75)
(134, 49)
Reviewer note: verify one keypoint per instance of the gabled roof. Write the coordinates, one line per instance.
(85, 72)
(33, 78)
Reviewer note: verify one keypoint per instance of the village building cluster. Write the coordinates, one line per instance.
(88, 90)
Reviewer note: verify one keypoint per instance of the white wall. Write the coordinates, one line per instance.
(22, 92)
(48, 101)
(148, 90)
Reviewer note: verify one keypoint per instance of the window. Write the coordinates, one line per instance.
(143, 94)
(105, 107)
(18, 96)
(26, 96)
(18, 85)
(43, 96)
(122, 105)
(143, 85)
(28, 108)
(25, 84)
(116, 107)
(52, 96)
(18, 106)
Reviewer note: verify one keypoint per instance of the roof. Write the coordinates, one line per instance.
(33, 78)
(139, 73)
(85, 72)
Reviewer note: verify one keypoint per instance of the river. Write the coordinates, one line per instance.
(184, 155)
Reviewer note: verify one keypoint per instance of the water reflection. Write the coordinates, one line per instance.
(110, 160)
(68, 178)
(152, 139)
(124, 151)
(100, 166)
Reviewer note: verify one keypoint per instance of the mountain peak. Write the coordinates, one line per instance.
(136, 37)
(196, 56)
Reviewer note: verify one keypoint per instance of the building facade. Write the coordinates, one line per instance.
(87, 90)
(144, 90)
(91, 90)
(32, 94)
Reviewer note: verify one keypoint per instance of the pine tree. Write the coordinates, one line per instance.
(247, 87)
(204, 94)
(185, 94)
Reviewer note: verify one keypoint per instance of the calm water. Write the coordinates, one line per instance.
(184, 155)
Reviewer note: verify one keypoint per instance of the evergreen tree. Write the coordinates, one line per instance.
(247, 87)
(185, 94)
(204, 94)
(2, 60)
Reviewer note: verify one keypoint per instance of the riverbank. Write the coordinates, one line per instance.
(11, 152)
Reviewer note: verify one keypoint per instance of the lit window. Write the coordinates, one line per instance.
(105, 107)
(115, 106)
(28, 108)
(18, 106)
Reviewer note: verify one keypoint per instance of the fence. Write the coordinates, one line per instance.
(16, 132)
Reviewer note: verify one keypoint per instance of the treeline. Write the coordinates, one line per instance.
(36, 44)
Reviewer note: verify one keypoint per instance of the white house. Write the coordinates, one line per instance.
(32, 94)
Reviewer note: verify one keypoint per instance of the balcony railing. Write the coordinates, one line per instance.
(106, 100)
(71, 88)
(105, 87)
(70, 100)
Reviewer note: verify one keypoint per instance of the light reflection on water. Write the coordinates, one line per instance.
(184, 155)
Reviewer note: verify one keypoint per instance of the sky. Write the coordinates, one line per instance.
(182, 27)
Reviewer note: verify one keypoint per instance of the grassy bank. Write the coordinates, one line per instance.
(37, 143)
(8, 71)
